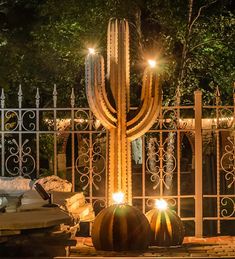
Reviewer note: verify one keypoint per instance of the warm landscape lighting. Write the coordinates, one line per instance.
(118, 197)
(161, 204)
(91, 51)
(152, 63)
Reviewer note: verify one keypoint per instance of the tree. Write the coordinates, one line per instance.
(198, 45)
(44, 42)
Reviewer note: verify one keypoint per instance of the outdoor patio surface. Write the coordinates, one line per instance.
(213, 247)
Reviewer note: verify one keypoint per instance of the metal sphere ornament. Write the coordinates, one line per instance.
(120, 227)
(166, 226)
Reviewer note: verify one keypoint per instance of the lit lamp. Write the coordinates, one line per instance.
(91, 51)
(166, 226)
(45, 195)
(152, 63)
(118, 197)
(120, 227)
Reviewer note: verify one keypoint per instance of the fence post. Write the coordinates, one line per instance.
(198, 164)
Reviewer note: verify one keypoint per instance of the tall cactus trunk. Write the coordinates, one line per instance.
(118, 75)
(119, 176)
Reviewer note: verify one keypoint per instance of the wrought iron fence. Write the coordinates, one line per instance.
(188, 156)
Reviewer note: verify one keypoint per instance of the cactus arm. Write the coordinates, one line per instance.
(101, 93)
(94, 80)
(147, 121)
(106, 100)
(145, 98)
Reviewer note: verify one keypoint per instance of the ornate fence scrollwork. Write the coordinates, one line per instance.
(12, 120)
(83, 119)
(225, 118)
(228, 161)
(160, 162)
(90, 163)
(20, 161)
(229, 207)
(30, 125)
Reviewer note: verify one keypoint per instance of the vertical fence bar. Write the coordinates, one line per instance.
(73, 139)
(55, 128)
(3, 135)
(233, 127)
(198, 165)
(143, 173)
(90, 157)
(178, 172)
(218, 159)
(178, 151)
(37, 97)
(161, 153)
(20, 129)
(107, 168)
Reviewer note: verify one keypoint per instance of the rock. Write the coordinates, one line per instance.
(84, 213)
(75, 201)
(55, 183)
(3, 202)
(14, 186)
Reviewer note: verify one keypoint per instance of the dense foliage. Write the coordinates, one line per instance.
(43, 43)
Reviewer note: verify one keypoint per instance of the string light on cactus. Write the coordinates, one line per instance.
(91, 51)
(118, 197)
(152, 63)
(161, 204)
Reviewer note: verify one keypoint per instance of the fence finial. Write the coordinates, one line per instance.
(37, 97)
(217, 96)
(177, 96)
(20, 96)
(72, 98)
(234, 90)
(217, 91)
(2, 99)
(55, 95)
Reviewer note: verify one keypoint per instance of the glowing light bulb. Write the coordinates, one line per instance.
(91, 51)
(118, 197)
(152, 63)
(161, 204)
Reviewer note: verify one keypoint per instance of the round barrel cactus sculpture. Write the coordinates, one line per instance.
(111, 104)
(120, 228)
(166, 227)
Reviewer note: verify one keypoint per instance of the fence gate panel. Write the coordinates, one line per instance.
(219, 168)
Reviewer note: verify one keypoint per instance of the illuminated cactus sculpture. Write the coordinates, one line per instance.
(114, 112)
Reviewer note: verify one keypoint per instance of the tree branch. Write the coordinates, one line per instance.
(201, 44)
(199, 13)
